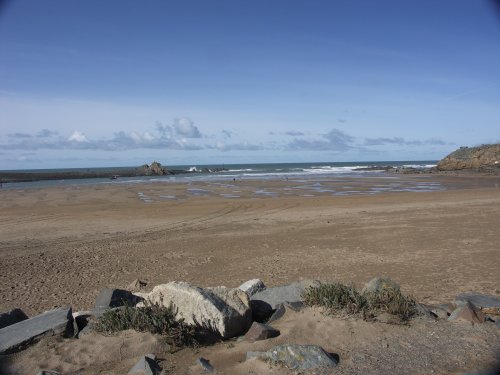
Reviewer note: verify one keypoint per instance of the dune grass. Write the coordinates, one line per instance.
(342, 299)
(153, 318)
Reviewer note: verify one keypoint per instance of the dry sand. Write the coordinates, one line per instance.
(59, 246)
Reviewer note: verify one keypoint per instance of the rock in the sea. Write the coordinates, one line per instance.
(252, 286)
(109, 298)
(477, 299)
(468, 313)
(12, 317)
(297, 357)
(50, 323)
(259, 331)
(205, 365)
(137, 286)
(485, 157)
(222, 310)
(264, 302)
(146, 366)
(379, 284)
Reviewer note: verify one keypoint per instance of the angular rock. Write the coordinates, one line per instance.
(12, 317)
(109, 298)
(48, 372)
(146, 366)
(297, 357)
(477, 299)
(85, 331)
(468, 313)
(222, 310)
(81, 320)
(251, 287)
(259, 331)
(137, 286)
(379, 284)
(50, 323)
(282, 310)
(205, 365)
(264, 302)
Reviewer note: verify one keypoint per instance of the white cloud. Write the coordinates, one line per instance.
(184, 126)
(78, 136)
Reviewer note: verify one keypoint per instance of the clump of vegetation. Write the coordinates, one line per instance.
(335, 297)
(343, 299)
(153, 318)
(393, 302)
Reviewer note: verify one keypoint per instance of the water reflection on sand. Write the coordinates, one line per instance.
(299, 187)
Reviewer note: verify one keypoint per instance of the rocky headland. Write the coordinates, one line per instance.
(484, 158)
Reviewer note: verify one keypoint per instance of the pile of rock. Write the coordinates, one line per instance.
(483, 158)
(248, 311)
(154, 169)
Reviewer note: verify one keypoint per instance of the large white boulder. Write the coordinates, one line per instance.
(222, 310)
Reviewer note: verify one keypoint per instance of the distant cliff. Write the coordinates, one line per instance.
(483, 158)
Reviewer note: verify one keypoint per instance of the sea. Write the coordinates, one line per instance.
(231, 172)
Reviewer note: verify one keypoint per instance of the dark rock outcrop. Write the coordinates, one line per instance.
(482, 158)
(154, 169)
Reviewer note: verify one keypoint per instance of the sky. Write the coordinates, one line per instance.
(124, 82)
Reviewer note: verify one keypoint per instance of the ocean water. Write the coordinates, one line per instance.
(294, 171)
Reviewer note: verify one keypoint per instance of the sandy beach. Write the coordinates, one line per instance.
(59, 246)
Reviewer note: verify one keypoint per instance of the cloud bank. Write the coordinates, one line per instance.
(183, 134)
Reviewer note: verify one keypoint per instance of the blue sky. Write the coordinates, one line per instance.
(110, 83)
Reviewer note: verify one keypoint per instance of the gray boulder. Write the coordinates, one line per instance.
(297, 357)
(264, 302)
(477, 299)
(12, 317)
(109, 298)
(146, 366)
(222, 310)
(50, 323)
(253, 286)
